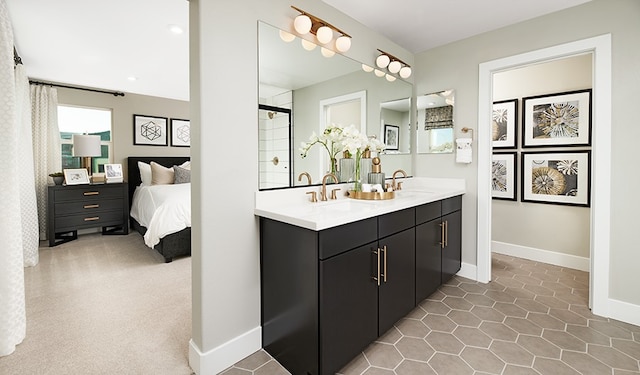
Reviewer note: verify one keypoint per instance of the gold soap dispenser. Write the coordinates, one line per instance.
(376, 176)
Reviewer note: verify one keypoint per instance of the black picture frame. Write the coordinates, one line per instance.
(556, 177)
(504, 120)
(180, 132)
(149, 130)
(504, 174)
(391, 137)
(560, 119)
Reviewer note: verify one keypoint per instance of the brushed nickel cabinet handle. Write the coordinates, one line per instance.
(384, 248)
(442, 241)
(446, 233)
(91, 206)
(92, 218)
(377, 252)
(91, 193)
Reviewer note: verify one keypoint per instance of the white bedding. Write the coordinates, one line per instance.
(162, 209)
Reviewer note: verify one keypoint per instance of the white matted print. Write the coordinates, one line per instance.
(562, 119)
(180, 133)
(503, 176)
(556, 177)
(149, 130)
(77, 176)
(504, 116)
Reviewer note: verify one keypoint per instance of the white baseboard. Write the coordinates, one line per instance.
(220, 358)
(539, 255)
(468, 271)
(624, 311)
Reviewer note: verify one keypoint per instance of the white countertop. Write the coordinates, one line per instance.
(294, 207)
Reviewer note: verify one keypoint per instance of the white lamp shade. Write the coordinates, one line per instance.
(287, 37)
(326, 52)
(367, 68)
(394, 66)
(343, 43)
(302, 24)
(382, 61)
(324, 34)
(378, 73)
(309, 46)
(86, 145)
(405, 72)
(390, 78)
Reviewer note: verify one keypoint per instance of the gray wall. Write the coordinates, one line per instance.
(556, 228)
(123, 109)
(456, 65)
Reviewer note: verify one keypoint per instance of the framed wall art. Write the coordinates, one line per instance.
(504, 116)
(503, 176)
(391, 137)
(562, 119)
(180, 133)
(77, 176)
(556, 177)
(149, 130)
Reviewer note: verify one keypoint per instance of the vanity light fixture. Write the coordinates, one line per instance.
(306, 23)
(367, 68)
(393, 64)
(286, 37)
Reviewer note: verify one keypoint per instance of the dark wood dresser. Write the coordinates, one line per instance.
(71, 208)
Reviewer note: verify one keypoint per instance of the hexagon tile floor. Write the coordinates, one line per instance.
(531, 319)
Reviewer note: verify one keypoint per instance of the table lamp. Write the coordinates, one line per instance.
(86, 146)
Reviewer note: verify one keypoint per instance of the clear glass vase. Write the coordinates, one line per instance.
(347, 170)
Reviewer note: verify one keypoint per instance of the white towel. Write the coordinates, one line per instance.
(464, 152)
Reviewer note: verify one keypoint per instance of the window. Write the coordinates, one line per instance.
(84, 120)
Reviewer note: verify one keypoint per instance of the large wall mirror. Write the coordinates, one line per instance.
(435, 122)
(295, 80)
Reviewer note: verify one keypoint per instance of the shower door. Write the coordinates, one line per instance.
(275, 151)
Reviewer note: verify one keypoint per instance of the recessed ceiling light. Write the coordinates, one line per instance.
(132, 78)
(175, 29)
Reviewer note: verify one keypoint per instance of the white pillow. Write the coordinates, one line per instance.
(186, 165)
(145, 173)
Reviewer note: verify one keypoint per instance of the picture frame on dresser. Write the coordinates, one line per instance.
(76, 176)
(180, 132)
(149, 130)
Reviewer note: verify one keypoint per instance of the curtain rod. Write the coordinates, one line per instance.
(16, 58)
(114, 93)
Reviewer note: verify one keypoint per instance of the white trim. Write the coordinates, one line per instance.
(540, 255)
(624, 311)
(224, 356)
(468, 271)
(600, 46)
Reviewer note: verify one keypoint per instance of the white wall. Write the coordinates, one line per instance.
(225, 236)
(555, 228)
(456, 65)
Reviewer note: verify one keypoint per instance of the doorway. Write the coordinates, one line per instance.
(600, 214)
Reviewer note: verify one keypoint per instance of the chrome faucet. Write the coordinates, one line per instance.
(323, 194)
(306, 175)
(393, 182)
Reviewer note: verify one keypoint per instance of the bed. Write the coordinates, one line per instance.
(176, 242)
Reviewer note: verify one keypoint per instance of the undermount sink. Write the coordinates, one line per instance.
(333, 207)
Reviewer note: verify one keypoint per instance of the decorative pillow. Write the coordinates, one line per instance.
(161, 175)
(182, 175)
(145, 173)
(186, 165)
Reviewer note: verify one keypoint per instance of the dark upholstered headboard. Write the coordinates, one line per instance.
(133, 172)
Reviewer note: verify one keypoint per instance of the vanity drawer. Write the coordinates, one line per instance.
(89, 206)
(452, 204)
(88, 193)
(98, 219)
(395, 222)
(339, 239)
(428, 212)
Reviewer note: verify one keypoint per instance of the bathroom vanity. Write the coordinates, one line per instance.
(337, 275)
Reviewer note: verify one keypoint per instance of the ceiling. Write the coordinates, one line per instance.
(100, 44)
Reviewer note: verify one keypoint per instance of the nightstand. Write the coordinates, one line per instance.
(70, 208)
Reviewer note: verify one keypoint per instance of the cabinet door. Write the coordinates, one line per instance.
(428, 258)
(397, 287)
(348, 306)
(452, 252)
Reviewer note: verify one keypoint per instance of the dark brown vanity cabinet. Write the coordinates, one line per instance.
(328, 294)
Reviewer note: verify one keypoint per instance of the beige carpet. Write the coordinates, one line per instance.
(105, 305)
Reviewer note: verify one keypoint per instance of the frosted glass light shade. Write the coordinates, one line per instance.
(86, 145)
(390, 78)
(326, 52)
(324, 34)
(394, 66)
(367, 68)
(405, 72)
(378, 73)
(308, 45)
(286, 37)
(382, 61)
(343, 43)
(302, 24)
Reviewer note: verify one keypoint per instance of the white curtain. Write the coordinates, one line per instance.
(46, 145)
(29, 207)
(12, 301)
